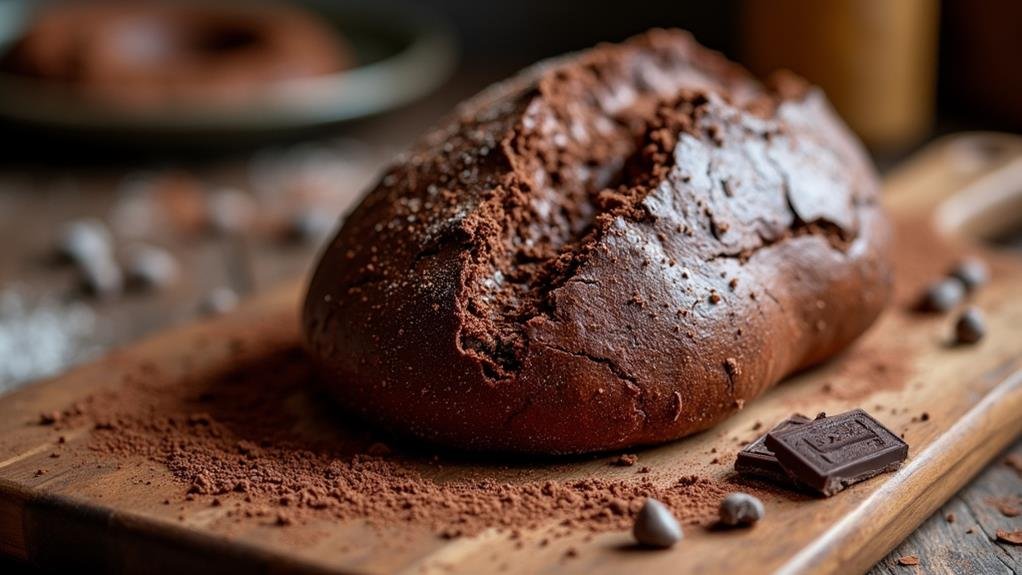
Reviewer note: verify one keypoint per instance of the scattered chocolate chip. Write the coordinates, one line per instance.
(150, 267)
(951, 517)
(1012, 537)
(970, 327)
(220, 300)
(655, 526)
(972, 272)
(310, 226)
(741, 509)
(625, 460)
(84, 240)
(943, 295)
(908, 560)
(229, 211)
(102, 277)
(924, 417)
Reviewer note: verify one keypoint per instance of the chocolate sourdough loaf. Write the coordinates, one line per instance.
(614, 248)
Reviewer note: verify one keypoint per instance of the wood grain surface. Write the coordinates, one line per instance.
(961, 536)
(109, 512)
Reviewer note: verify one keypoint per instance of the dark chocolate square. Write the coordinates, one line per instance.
(757, 459)
(831, 453)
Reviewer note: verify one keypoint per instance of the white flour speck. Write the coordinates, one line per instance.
(41, 337)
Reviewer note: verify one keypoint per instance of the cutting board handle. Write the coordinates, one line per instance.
(970, 184)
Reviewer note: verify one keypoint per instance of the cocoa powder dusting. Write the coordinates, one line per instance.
(263, 444)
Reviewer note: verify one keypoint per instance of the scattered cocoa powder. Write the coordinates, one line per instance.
(869, 369)
(262, 442)
(908, 560)
(920, 254)
(625, 460)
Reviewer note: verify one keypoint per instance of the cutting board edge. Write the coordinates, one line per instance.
(967, 448)
(124, 541)
(121, 537)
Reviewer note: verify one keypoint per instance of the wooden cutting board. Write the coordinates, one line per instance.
(109, 513)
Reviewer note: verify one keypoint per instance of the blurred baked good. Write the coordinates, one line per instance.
(157, 53)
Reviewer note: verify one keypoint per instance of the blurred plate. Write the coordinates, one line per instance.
(401, 54)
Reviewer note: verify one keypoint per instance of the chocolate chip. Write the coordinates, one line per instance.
(84, 240)
(655, 526)
(229, 211)
(972, 272)
(151, 267)
(970, 327)
(943, 295)
(89, 245)
(740, 509)
(310, 226)
(221, 300)
(102, 277)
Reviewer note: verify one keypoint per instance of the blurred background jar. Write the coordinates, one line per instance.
(876, 59)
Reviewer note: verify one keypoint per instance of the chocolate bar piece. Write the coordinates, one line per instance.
(757, 459)
(830, 453)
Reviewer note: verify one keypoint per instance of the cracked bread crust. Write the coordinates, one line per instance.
(614, 248)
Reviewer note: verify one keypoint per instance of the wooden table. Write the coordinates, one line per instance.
(34, 202)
